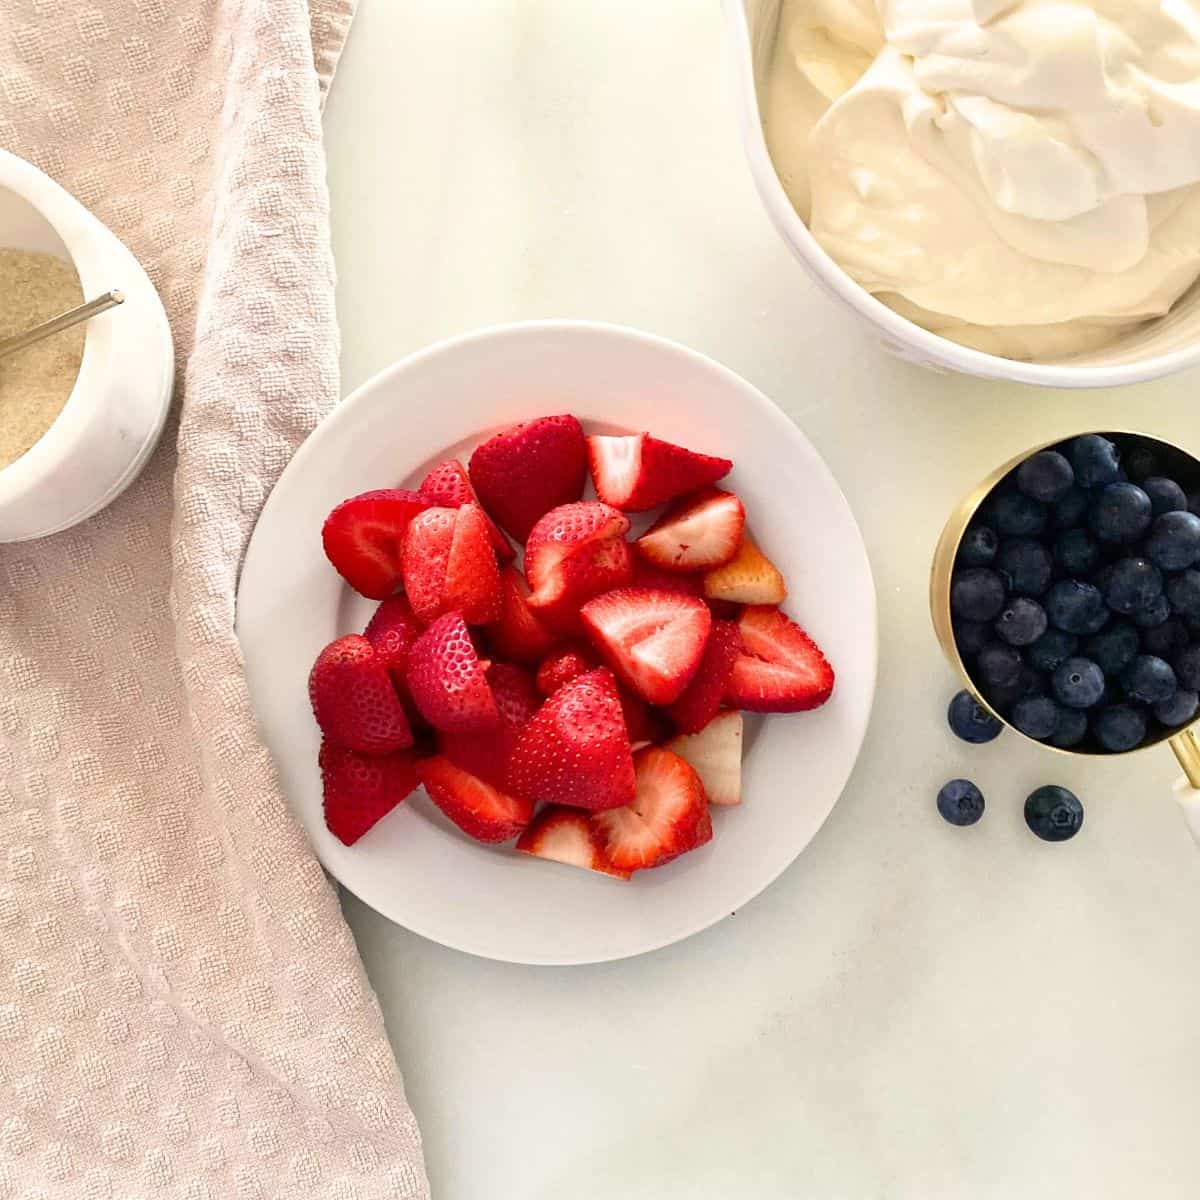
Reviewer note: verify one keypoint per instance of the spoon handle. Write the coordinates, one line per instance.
(63, 321)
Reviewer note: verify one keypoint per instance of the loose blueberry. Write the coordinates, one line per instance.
(1119, 728)
(1079, 683)
(1053, 814)
(971, 721)
(1187, 668)
(999, 665)
(1076, 552)
(1071, 509)
(1183, 593)
(1095, 460)
(1052, 649)
(1140, 462)
(978, 548)
(1076, 607)
(1072, 728)
(1165, 495)
(1180, 709)
(1046, 477)
(1114, 649)
(1025, 566)
(1120, 512)
(1013, 514)
(1021, 622)
(1174, 542)
(1166, 640)
(1036, 717)
(960, 802)
(1149, 679)
(1156, 614)
(1134, 584)
(970, 637)
(976, 594)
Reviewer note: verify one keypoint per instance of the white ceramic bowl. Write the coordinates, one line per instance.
(115, 412)
(1158, 348)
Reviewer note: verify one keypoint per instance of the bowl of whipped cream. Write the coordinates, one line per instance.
(1006, 188)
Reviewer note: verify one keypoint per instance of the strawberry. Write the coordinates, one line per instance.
(449, 486)
(750, 577)
(354, 701)
(363, 537)
(639, 472)
(575, 751)
(360, 789)
(563, 665)
(647, 575)
(449, 565)
(698, 533)
(527, 470)
(447, 680)
(780, 669)
(698, 703)
(644, 724)
(391, 632)
(667, 818)
(486, 755)
(566, 835)
(476, 807)
(716, 754)
(518, 633)
(653, 640)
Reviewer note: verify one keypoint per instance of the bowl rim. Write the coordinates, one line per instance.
(902, 336)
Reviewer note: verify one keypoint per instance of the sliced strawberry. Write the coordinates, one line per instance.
(449, 565)
(652, 640)
(527, 470)
(645, 725)
(750, 577)
(354, 701)
(647, 575)
(575, 751)
(563, 665)
(487, 754)
(780, 669)
(639, 472)
(696, 534)
(716, 753)
(447, 680)
(359, 789)
(476, 807)
(363, 537)
(698, 703)
(449, 486)
(566, 835)
(518, 633)
(667, 818)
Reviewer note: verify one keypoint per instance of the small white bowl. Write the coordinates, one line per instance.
(116, 410)
(1159, 348)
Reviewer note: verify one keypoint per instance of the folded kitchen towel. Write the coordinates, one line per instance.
(182, 1011)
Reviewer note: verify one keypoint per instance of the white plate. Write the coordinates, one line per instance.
(414, 866)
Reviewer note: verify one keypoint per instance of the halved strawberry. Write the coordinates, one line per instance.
(716, 753)
(391, 632)
(750, 577)
(566, 835)
(698, 533)
(780, 669)
(450, 566)
(653, 640)
(449, 486)
(359, 789)
(363, 537)
(563, 665)
(448, 681)
(487, 754)
(527, 470)
(575, 751)
(518, 633)
(645, 725)
(647, 575)
(640, 472)
(667, 817)
(354, 701)
(480, 810)
(698, 703)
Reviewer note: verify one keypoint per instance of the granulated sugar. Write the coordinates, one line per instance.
(35, 382)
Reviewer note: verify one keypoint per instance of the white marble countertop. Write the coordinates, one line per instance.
(912, 1011)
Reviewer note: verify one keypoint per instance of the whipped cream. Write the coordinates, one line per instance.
(1018, 175)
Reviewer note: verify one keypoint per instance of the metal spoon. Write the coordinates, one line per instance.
(63, 321)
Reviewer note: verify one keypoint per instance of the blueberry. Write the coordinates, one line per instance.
(1194, 503)
(1053, 814)
(1024, 566)
(1187, 668)
(1052, 649)
(1076, 607)
(1120, 512)
(1180, 709)
(1079, 683)
(1076, 552)
(1140, 462)
(1072, 728)
(1103, 577)
(978, 547)
(1183, 593)
(1013, 514)
(1165, 495)
(971, 721)
(1149, 679)
(976, 594)
(1047, 476)
(1095, 460)
(1119, 728)
(999, 665)
(1021, 622)
(960, 802)
(970, 637)
(1036, 716)
(1156, 614)
(1174, 542)
(1114, 649)
(1133, 586)
(1166, 640)
(1003, 696)
(1071, 509)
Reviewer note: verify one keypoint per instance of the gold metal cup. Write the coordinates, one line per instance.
(1183, 466)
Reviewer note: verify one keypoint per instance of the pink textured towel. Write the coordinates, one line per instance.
(182, 1011)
